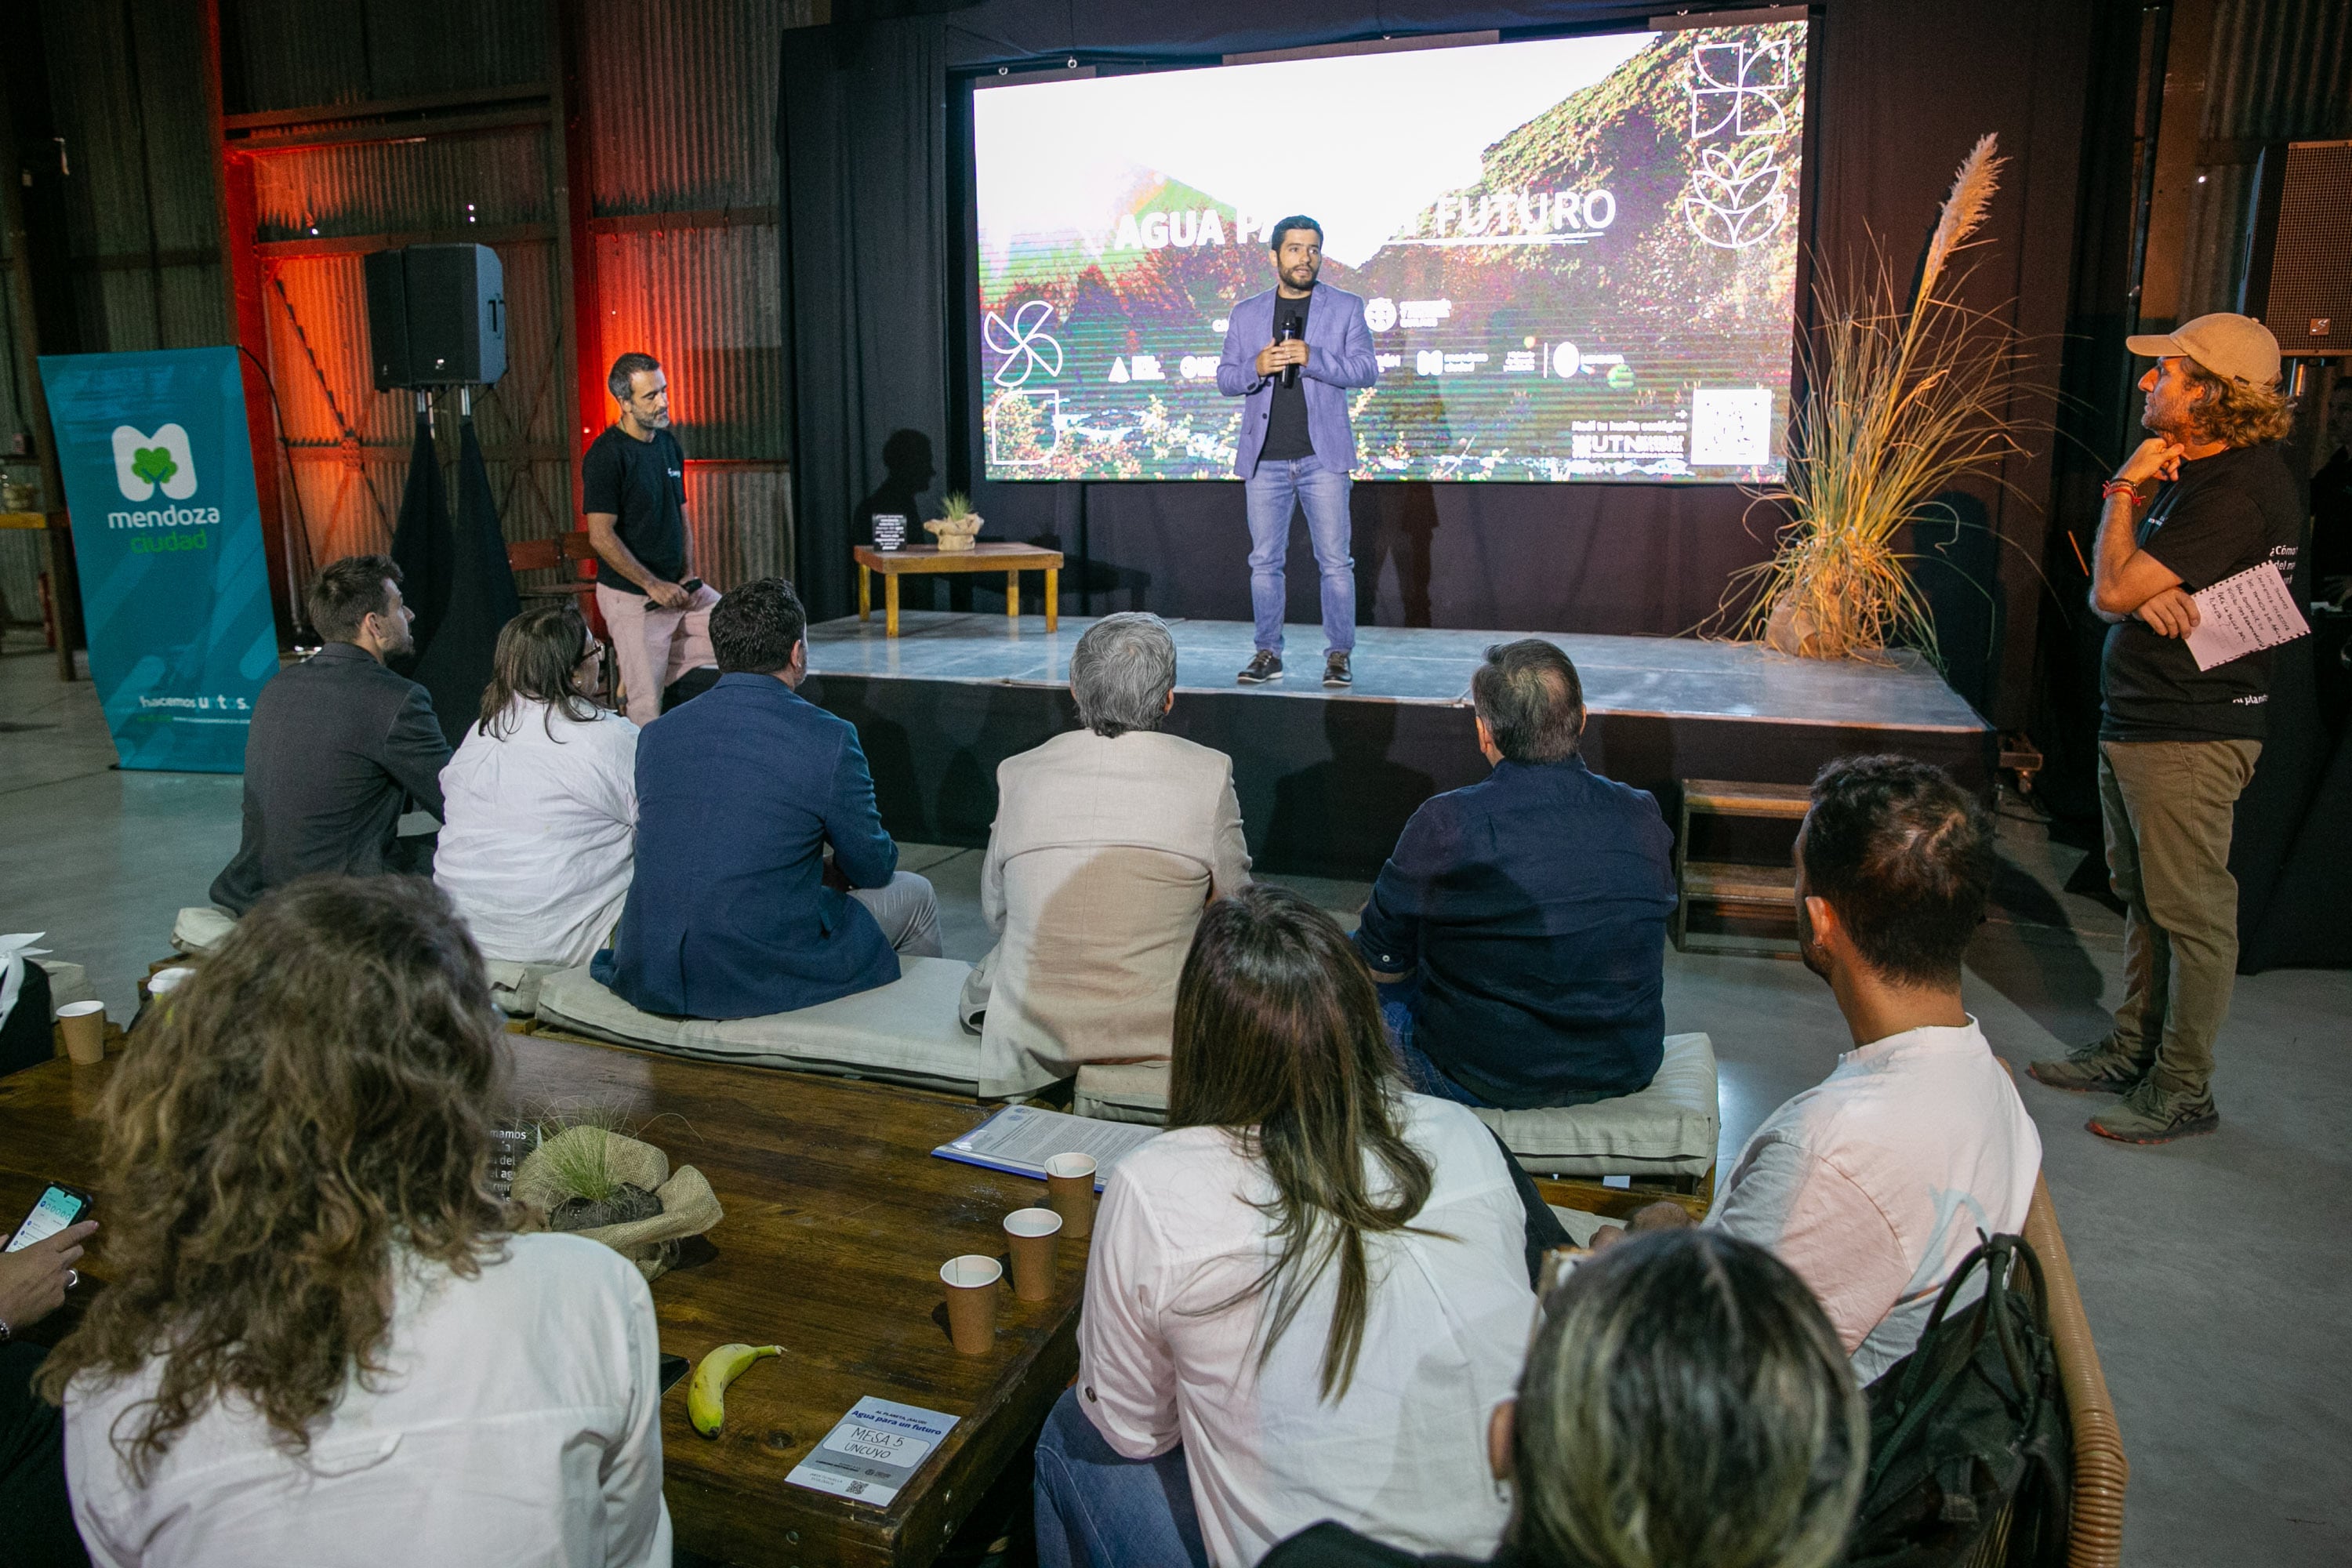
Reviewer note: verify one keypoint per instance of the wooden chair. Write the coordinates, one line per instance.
(2095, 1536)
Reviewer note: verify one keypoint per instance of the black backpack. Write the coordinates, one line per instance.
(1969, 1448)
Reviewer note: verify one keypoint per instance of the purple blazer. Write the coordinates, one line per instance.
(1338, 356)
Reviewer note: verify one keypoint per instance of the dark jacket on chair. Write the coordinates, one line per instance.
(338, 747)
(738, 792)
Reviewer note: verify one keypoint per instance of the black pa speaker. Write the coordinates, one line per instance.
(436, 316)
(2299, 265)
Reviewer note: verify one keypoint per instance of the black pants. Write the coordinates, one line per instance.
(39, 1529)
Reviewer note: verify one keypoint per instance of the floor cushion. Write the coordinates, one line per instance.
(1667, 1129)
(515, 986)
(199, 927)
(1123, 1091)
(905, 1032)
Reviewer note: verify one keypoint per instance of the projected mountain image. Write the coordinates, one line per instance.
(1610, 297)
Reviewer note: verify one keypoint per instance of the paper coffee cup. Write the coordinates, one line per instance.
(1070, 1192)
(84, 1023)
(972, 1282)
(1034, 1235)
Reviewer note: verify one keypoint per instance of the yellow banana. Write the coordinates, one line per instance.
(705, 1398)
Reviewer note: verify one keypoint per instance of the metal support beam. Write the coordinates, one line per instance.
(241, 272)
(572, 166)
(65, 591)
(2187, 56)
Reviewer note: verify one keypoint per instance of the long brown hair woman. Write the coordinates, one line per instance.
(318, 1337)
(1303, 1298)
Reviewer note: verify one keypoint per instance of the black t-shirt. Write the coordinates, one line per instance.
(2226, 513)
(1286, 425)
(642, 483)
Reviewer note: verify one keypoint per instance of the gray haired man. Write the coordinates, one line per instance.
(1109, 842)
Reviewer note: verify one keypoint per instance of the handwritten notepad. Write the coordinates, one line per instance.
(2243, 614)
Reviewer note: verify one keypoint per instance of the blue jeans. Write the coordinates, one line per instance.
(1097, 1509)
(1267, 496)
(1421, 1075)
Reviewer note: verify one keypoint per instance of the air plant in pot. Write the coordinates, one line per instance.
(956, 524)
(581, 1165)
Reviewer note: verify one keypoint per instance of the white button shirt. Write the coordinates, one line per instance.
(539, 832)
(1402, 1456)
(1873, 1186)
(519, 1426)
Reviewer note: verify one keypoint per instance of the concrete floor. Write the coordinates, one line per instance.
(2215, 1271)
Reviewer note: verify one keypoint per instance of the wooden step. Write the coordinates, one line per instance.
(1726, 797)
(1722, 882)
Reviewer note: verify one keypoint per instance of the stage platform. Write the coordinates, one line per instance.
(1326, 777)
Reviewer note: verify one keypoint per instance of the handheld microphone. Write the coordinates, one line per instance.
(1288, 334)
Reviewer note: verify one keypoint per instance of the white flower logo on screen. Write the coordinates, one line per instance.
(1740, 94)
(1740, 88)
(1024, 344)
(1735, 198)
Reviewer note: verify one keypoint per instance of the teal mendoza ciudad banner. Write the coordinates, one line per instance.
(167, 536)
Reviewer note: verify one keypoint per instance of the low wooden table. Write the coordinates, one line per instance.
(837, 1221)
(921, 559)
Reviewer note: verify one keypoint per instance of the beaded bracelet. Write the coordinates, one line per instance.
(2119, 487)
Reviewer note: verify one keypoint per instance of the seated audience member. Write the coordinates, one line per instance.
(1873, 1184)
(319, 1343)
(38, 1527)
(1519, 928)
(735, 911)
(1303, 1298)
(542, 821)
(1107, 843)
(1683, 1405)
(339, 746)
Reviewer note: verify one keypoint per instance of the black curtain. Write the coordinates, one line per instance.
(873, 159)
(421, 547)
(861, 120)
(456, 665)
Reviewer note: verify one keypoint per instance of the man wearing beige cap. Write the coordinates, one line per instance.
(2206, 496)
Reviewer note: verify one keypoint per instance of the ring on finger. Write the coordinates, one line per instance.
(73, 1278)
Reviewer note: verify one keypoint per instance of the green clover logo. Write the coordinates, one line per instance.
(154, 463)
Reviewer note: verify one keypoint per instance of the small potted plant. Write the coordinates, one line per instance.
(956, 524)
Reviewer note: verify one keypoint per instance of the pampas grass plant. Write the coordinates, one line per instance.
(1908, 392)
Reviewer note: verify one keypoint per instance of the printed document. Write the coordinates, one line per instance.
(2243, 614)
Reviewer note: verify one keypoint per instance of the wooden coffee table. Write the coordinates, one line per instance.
(837, 1221)
(926, 559)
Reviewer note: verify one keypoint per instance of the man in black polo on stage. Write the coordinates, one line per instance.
(632, 488)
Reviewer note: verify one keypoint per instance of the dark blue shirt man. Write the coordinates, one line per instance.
(1519, 928)
(734, 912)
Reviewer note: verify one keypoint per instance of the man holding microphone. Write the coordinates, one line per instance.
(1296, 446)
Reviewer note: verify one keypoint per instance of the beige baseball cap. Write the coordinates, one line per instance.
(2235, 348)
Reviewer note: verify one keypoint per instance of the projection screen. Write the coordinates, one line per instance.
(1578, 256)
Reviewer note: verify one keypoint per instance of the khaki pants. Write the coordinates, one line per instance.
(653, 645)
(2168, 807)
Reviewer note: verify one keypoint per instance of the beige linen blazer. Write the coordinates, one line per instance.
(1103, 855)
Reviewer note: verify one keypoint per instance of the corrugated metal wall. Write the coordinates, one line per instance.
(142, 236)
(680, 102)
(2280, 70)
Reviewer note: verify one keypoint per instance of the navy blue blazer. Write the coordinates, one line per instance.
(738, 792)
